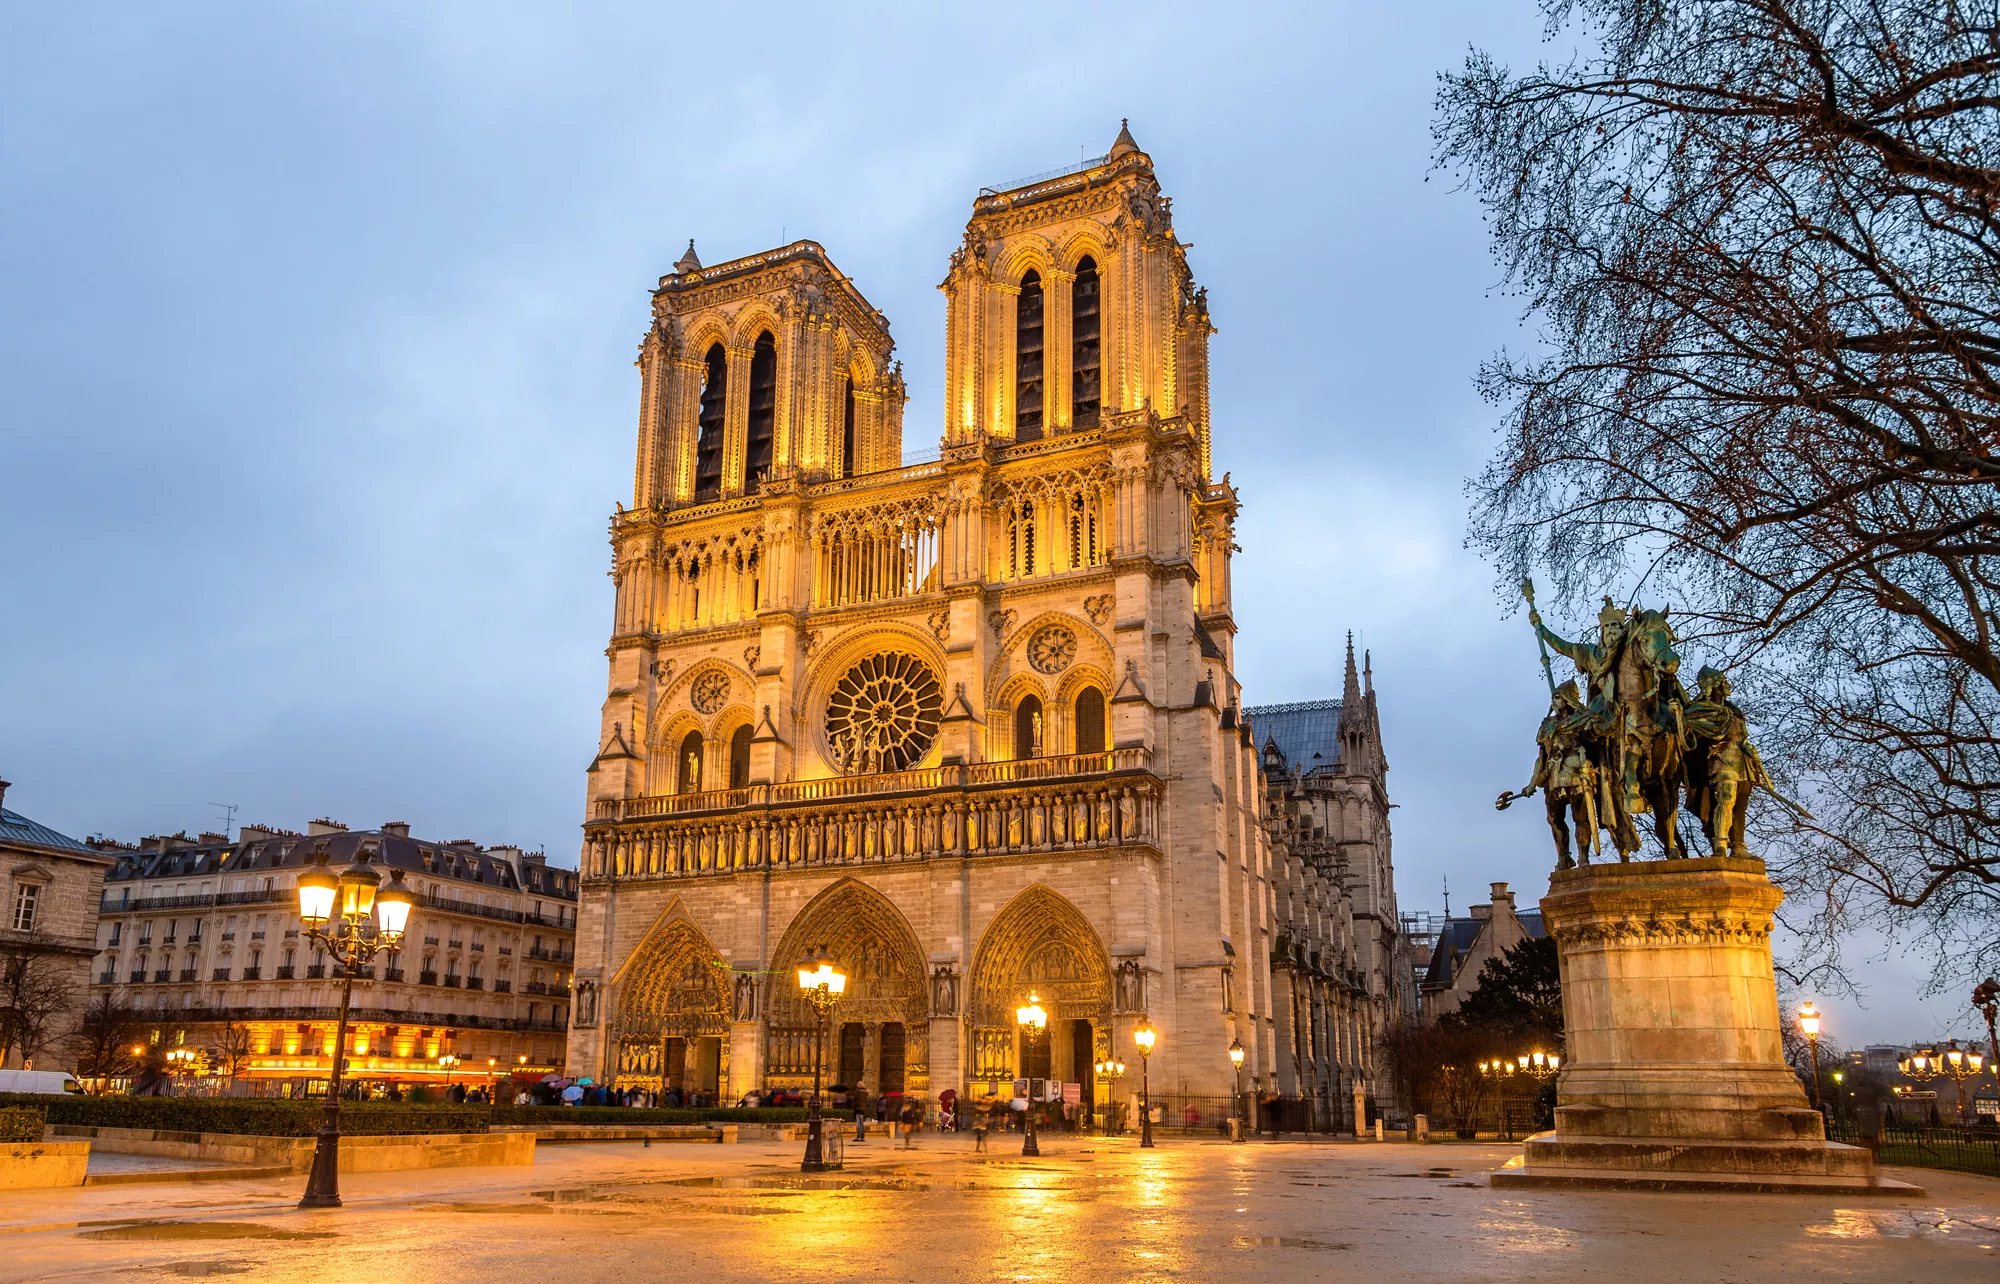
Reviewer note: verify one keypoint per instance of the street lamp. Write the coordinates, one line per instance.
(1145, 1036)
(446, 1063)
(353, 917)
(1033, 1019)
(1236, 1062)
(180, 1062)
(822, 983)
(1961, 1065)
(1498, 1070)
(1809, 1024)
(1113, 1070)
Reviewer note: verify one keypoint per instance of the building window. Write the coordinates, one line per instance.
(690, 763)
(739, 757)
(847, 434)
(1028, 359)
(1028, 728)
(27, 901)
(763, 410)
(117, 930)
(1090, 721)
(1085, 361)
(708, 442)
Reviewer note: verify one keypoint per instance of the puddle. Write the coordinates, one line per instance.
(1464, 1185)
(741, 1210)
(1287, 1241)
(202, 1230)
(218, 1266)
(530, 1209)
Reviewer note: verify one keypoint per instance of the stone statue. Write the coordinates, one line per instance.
(944, 993)
(586, 1003)
(746, 997)
(1129, 987)
(1569, 781)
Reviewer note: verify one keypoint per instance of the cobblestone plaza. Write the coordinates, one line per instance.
(1087, 1210)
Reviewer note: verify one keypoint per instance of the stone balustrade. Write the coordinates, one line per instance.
(1068, 803)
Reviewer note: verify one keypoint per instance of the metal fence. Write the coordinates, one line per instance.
(1962, 1149)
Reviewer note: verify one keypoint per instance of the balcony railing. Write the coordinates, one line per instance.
(427, 978)
(505, 950)
(189, 973)
(502, 986)
(535, 987)
(475, 982)
(393, 974)
(137, 978)
(315, 971)
(106, 978)
(450, 982)
(221, 974)
(287, 972)
(1073, 803)
(479, 947)
(253, 973)
(164, 974)
(303, 1014)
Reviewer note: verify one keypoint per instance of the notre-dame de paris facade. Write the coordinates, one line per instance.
(973, 725)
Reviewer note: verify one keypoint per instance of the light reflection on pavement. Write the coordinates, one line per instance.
(1088, 1211)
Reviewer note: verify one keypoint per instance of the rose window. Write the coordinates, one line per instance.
(710, 691)
(883, 714)
(1052, 650)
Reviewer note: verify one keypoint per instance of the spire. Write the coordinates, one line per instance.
(688, 262)
(1123, 144)
(1368, 671)
(1350, 694)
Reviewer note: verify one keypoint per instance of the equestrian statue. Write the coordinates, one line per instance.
(1633, 742)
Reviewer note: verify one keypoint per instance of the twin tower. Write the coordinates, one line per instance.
(970, 725)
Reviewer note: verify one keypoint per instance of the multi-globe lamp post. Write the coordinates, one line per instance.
(352, 917)
(1145, 1036)
(1236, 1064)
(822, 982)
(1033, 1019)
(1960, 1065)
(1112, 1069)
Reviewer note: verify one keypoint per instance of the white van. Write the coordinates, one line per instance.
(50, 1082)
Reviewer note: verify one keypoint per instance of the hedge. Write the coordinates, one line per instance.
(21, 1123)
(273, 1117)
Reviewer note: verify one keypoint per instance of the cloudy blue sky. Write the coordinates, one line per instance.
(316, 331)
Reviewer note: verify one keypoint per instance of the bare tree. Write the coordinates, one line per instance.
(106, 1043)
(38, 991)
(232, 1048)
(1762, 243)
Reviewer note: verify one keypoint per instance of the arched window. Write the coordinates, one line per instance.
(690, 763)
(1090, 721)
(1085, 358)
(739, 758)
(763, 410)
(708, 443)
(1028, 728)
(847, 434)
(1028, 360)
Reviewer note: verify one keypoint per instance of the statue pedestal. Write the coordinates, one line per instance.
(1676, 1077)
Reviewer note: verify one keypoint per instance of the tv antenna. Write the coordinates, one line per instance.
(228, 811)
(1447, 895)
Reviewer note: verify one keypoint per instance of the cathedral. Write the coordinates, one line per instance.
(971, 726)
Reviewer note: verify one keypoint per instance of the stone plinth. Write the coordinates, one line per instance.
(1676, 1076)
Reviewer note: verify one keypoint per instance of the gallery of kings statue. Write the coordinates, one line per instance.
(971, 726)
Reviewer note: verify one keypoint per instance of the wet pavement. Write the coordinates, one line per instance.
(1086, 1210)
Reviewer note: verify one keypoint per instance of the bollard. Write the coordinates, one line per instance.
(1378, 1130)
(1422, 1130)
(1236, 1130)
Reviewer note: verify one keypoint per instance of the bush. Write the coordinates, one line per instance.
(21, 1123)
(271, 1117)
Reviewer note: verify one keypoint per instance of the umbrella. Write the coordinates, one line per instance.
(553, 1078)
(586, 1082)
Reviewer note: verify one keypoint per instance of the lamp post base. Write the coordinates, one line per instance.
(815, 1160)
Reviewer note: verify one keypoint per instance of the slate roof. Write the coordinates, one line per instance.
(1307, 733)
(1457, 937)
(294, 851)
(16, 828)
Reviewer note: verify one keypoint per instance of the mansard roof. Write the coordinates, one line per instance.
(17, 830)
(1306, 733)
(1455, 941)
(462, 862)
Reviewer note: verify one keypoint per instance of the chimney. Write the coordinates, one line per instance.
(1501, 896)
(396, 828)
(321, 827)
(3, 793)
